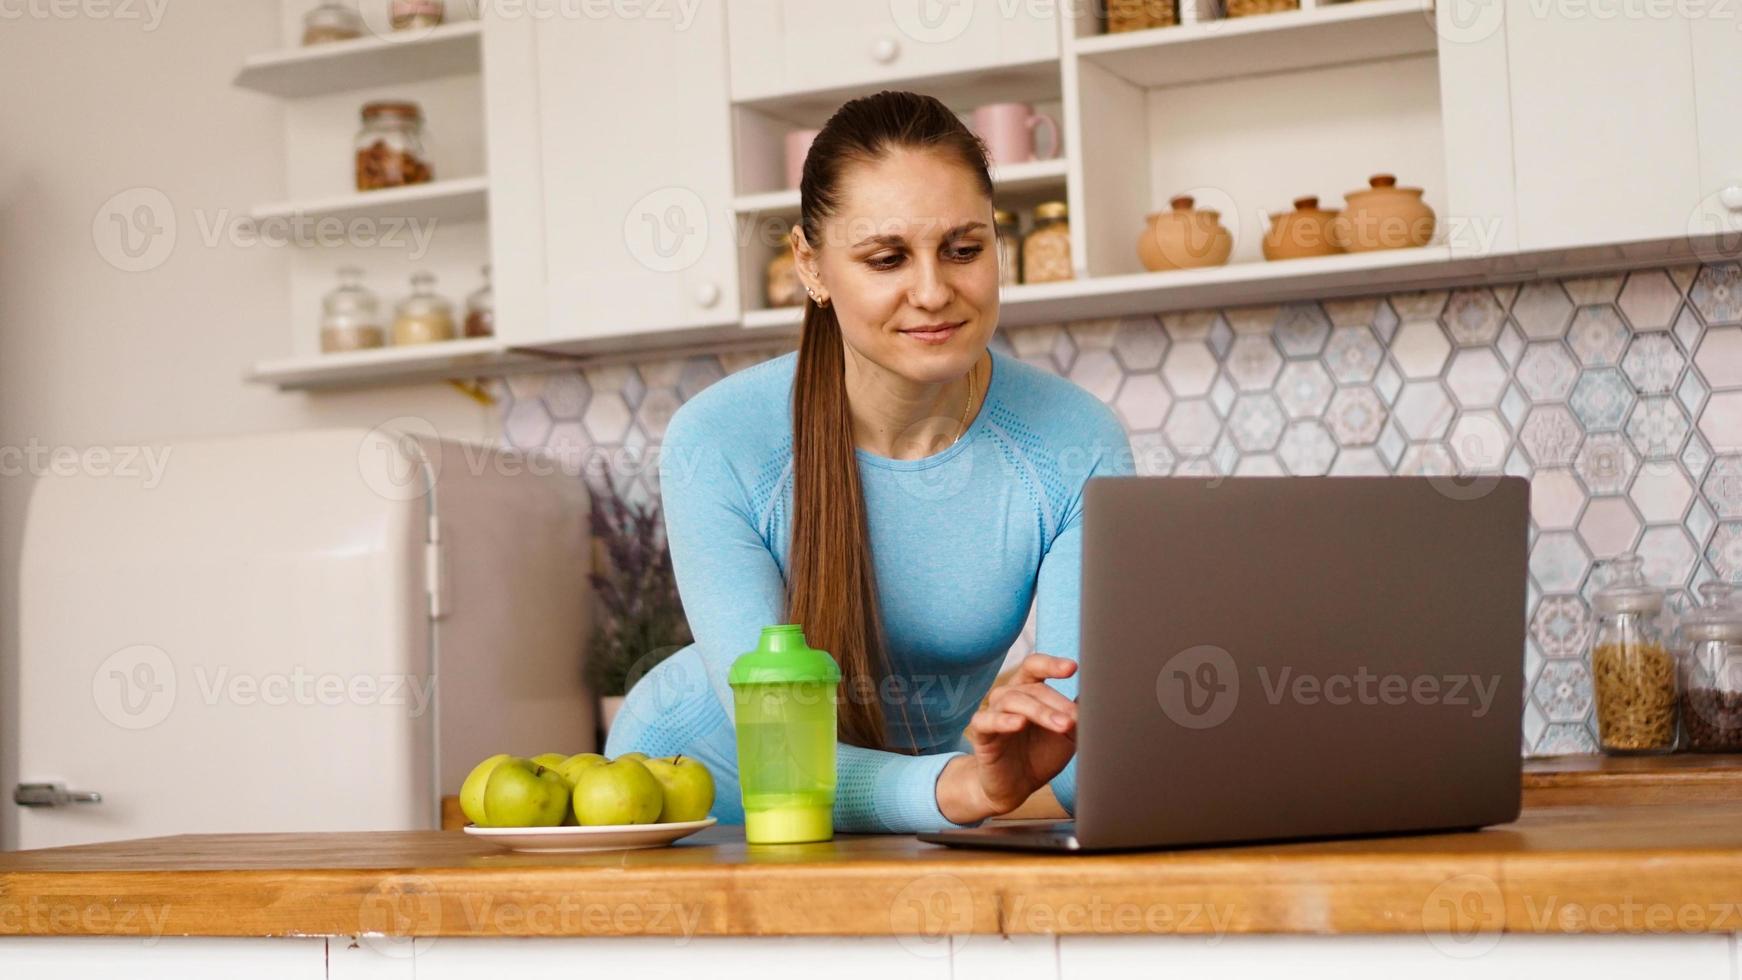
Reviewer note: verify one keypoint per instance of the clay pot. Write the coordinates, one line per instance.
(1303, 232)
(1383, 216)
(1183, 238)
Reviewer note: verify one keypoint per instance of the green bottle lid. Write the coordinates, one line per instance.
(782, 657)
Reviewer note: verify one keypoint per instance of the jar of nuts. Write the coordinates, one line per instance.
(1046, 252)
(1711, 645)
(1633, 674)
(390, 147)
(409, 15)
(1009, 234)
(331, 22)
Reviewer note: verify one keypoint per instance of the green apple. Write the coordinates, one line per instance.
(572, 766)
(688, 786)
(472, 790)
(637, 756)
(620, 792)
(520, 793)
(549, 760)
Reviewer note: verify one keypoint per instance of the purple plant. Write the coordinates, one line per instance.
(640, 617)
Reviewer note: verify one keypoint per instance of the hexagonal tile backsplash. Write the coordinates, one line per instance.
(1620, 396)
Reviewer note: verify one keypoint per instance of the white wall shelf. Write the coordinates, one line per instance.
(464, 199)
(367, 62)
(469, 357)
(1315, 37)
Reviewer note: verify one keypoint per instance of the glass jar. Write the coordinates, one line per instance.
(481, 310)
(390, 147)
(1633, 674)
(1711, 646)
(350, 316)
(1046, 251)
(423, 317)
(1009, 247)
(331, 22)
(783, 286)
(407, 15)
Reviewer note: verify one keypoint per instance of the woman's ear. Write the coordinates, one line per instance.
(805, 258)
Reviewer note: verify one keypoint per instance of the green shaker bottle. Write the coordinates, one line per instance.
(783, 693)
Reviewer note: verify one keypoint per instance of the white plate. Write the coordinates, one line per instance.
(571, 840)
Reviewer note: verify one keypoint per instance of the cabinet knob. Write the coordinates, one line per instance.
(885, 50)
(1732, 197)
(707, 294)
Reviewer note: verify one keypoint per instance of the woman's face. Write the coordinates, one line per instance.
(912, 245)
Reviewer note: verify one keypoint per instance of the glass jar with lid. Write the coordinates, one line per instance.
(1046, 251)
(331, 22)
(481, 310)
(781, 284)
(1633, 674)
(1711, 650)
(409, 15)
(350, 316)
(390, 147)
(1009, 247)
(423, 317)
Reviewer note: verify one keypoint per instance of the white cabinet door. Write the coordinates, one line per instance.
(783, 46)
(1717, 44)
(634, 232)
(1604, 135)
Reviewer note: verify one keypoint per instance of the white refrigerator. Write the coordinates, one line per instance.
(307, 631)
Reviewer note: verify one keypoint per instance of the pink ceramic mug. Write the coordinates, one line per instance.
(798, 146)
(1008, 129)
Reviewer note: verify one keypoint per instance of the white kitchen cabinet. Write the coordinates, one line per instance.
(614, 215)
(784, 46)
(1604, 131)
(1717, 60)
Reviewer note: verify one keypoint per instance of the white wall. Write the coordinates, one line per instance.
(125, 95)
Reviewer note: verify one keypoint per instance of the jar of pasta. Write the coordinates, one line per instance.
(1633, 674)
(1009, 247)
(1711, 649)
(1046, 251)
(423, 316)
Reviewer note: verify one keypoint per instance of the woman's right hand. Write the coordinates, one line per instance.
(1021, 739)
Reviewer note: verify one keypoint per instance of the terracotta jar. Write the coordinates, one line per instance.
(1303, 232)
(1383, 216)
(1183, 238)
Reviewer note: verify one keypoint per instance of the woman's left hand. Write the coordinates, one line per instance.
(1022, 738)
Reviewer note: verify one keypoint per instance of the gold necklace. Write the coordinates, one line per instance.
(962, 426)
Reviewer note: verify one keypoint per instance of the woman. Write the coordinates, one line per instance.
(897, 487)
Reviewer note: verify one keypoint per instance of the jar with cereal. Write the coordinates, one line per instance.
(1633, 674)
(350, 316)
(1046, 252)
(1711, 650)
(423, 317)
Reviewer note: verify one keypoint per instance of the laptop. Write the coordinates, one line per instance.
(1272, 659)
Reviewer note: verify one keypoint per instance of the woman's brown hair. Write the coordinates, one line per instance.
(831, 585)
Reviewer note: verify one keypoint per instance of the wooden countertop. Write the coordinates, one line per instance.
(1672, 867)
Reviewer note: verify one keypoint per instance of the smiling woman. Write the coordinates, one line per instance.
(895, 486)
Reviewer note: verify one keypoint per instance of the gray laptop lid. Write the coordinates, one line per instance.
(1289, 657)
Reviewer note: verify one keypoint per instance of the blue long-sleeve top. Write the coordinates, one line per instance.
(962, 542)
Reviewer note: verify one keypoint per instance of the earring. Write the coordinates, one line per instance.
(815, 298)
